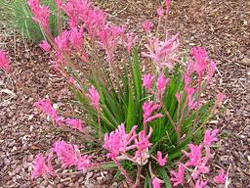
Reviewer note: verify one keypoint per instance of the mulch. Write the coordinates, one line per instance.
(220, 26)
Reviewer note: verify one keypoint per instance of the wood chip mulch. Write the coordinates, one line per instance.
(220, 26)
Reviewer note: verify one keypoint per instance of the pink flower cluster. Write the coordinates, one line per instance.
(118, 143)
(149, 108)
(198, 162)
(46, 107)
(161, 83)
(163, 54)
(41, 13)
(201, 65)
(68, 155)
(4, 61)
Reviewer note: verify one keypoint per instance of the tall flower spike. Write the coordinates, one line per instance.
(161, 84)
(178, 176)
(160, 160)
(94, 97)
(148, 81)
(4, 61)
(40, 167)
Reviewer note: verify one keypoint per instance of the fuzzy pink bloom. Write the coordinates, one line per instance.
(75, 124)
(84, 163)
(4, 61)
(178, 176)
(210, 137)
(156, 182)
(62, 41)
(142, 144)
(58, 3)
(76, 38)
(118, 141)
(200, 184)
(45, 46)
(149, 108)
(194, 155)
(67, 154)
(161, 84)
(201, 168)
(220, 98)
(109, 38)
(71, 80)
(94, 97)
(178, 97)
(160, 160)
(201, 60)
(167, 2)
(41, 13)
(163, 54)
(46, 107)
(40, 167)
(211, 70)
(130, 42)
(147, 25)
(160, 11)
(148, 81)
(221, 177)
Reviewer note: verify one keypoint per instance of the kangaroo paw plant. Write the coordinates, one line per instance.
(146, 121)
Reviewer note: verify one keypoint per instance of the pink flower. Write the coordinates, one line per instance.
(220, 98)
(148, 81)
(147, 25)
(58, 3)
(148, 108)
(160, 160)
(94, 97)
(84, 163)
(41, 13)
(118, 141)
(200, 184)
(167, 2)
(75, 124)
(178, 97)
(160, 11)
(221, 177)
(76, 38)
(156, 182)
(211, 70)
(161, 84)
(46, 107)
(201, 60)
(71, 80)
(178, 176)
(194, 155)
(210, 137)
(142, 144)
(163, 54)
(201, 168)
(67, 154)
(45, 45)
(4, 61)
(40, 167)
(130, 42)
